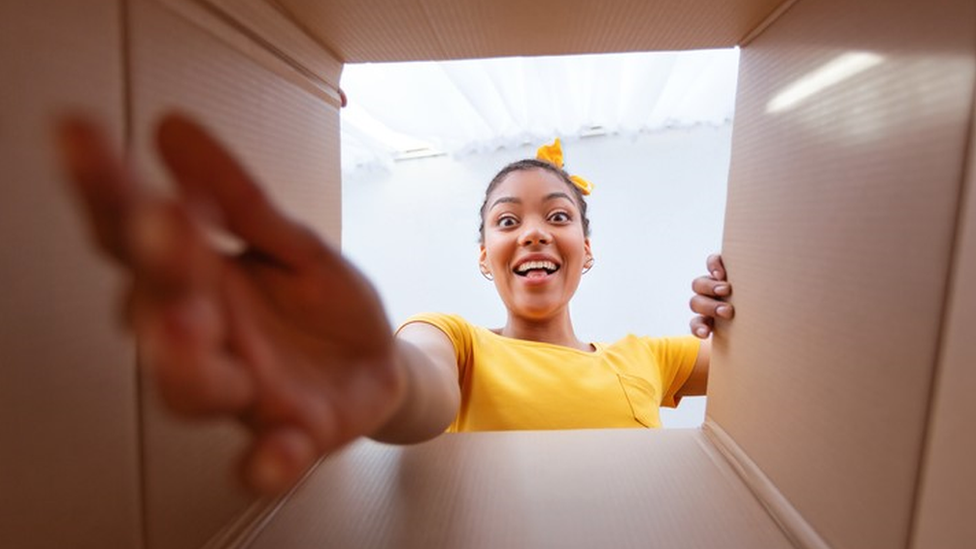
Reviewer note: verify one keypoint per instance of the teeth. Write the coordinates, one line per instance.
(532, 265)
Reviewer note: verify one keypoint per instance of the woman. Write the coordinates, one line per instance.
(288, 337)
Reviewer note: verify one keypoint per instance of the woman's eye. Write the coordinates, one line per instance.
(559, 217)
(507, 221)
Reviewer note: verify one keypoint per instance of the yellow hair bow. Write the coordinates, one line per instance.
(553, 154)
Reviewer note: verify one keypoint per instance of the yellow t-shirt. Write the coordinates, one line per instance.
(513, 384)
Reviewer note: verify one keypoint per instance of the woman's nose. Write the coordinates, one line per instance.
(534, 233)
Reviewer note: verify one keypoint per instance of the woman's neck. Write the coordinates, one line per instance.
(556, 331)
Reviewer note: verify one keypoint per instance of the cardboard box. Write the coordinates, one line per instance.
(837, 413)
(69, 458)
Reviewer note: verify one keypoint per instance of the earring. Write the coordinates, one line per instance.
(486, 273)
(588, 265)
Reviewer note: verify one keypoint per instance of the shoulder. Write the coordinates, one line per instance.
(445, 321)
(663, 348)
(672, 342)
(459, 331)
(455, 327)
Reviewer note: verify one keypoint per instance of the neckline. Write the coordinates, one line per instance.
(597, 347)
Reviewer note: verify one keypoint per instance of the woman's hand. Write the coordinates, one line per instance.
(285, 336)
(708, 302)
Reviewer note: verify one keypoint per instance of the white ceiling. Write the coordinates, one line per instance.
(404, 110)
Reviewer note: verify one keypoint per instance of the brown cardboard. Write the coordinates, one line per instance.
(839, 229)
(948, 492)
(600, 488)
(840, 382)
(287, 134)
(380, 30)
(68, 430)
(267, 36)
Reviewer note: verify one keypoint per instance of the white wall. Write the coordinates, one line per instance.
(656, 213)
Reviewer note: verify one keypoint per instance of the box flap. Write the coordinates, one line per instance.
(847, 156)
(947, 497)
(611, 488)
(390, 30)
(69, 450)
(268, 37)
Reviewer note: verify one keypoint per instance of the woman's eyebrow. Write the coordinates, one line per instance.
(555, 195)
(515, 200)
(504, 199)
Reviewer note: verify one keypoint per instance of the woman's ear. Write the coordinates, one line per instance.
(483, 264)
(588, 257)
(483, 260)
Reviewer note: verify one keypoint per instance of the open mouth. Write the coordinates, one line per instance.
(535, 269)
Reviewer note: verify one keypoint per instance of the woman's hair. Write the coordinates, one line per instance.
(534, 164)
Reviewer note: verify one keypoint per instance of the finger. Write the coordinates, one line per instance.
(106, 190)
(278, 459)
(711, 308)
(708, 286)
(701, 327)
(207, 172)
(716, 268)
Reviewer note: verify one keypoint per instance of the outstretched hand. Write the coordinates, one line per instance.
(285, 336)
(708, 302)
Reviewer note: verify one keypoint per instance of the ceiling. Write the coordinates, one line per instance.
(398, 111)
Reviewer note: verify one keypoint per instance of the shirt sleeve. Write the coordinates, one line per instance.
(456, 328)
(676, 358)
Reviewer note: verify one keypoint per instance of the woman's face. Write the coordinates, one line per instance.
(534, 245)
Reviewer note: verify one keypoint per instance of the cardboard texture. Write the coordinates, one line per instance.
(68, 430)
(838, 239)
(382, 30)
(838, 406)
(601, 488)
(947, 500)
(267, 36)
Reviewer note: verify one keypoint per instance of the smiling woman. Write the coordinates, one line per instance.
(657, 211)
(535, 248)
(534, 372)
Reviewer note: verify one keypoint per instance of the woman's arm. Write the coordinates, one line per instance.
(697, 383)
(432, 396)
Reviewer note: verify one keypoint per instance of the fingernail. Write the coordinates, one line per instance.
(702, 332)
(723, 310)
(722, 289)
(715, 274)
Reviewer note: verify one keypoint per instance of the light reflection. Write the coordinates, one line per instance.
(833, 72)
